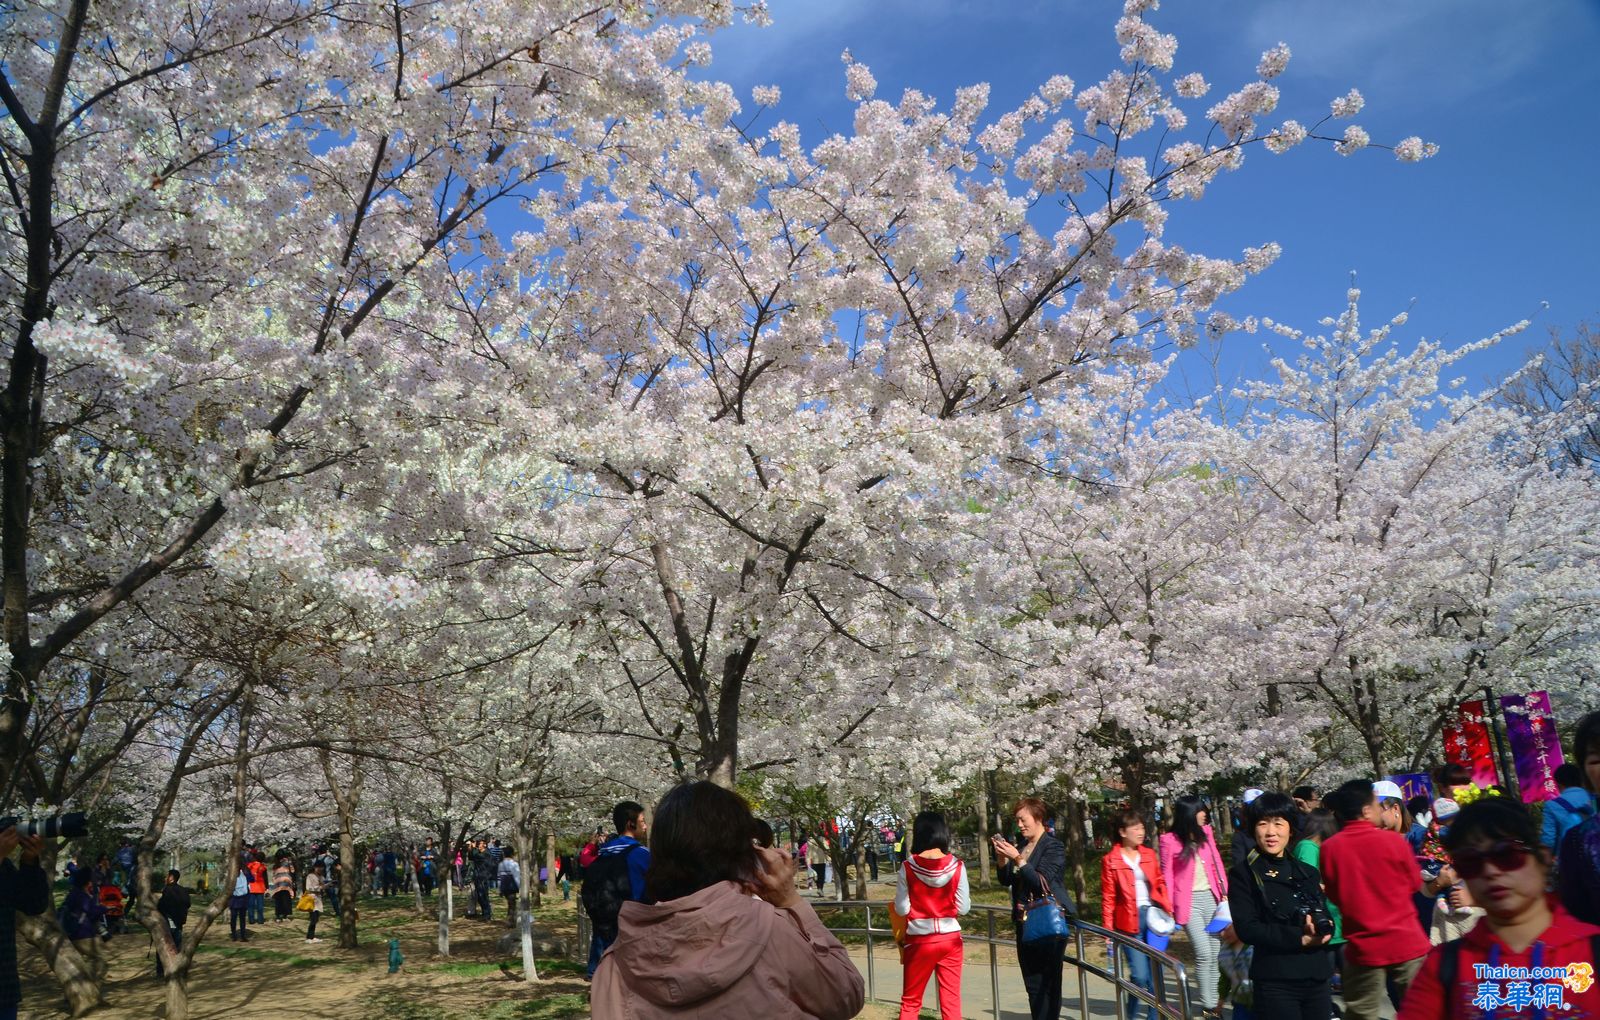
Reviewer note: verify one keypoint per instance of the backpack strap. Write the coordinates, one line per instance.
(1449, 965)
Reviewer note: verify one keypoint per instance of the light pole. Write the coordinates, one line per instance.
(1508, 775)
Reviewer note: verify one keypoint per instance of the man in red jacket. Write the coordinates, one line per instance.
(1371, 875)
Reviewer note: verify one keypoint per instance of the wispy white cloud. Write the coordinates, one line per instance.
(1423, 52)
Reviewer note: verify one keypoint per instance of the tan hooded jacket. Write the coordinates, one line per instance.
(722, 953)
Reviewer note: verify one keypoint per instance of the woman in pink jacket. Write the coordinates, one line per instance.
(726, 933)
(1197, 882)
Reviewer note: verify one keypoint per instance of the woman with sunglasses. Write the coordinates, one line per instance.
(1494, 845)
(1278, 908)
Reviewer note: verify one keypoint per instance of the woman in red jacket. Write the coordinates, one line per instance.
(1130, 884)
(931, 894)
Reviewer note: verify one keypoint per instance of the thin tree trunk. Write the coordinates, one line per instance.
(178, 995)
(345, 800)
(522, 836)
(444, 873)
(858, 849)
(177, 964)
(446, 909)
(841, 868)
(351, 882)
(176, 961)
(984, 853)
(722, 764)
(551, 863)
(416, 879)
(1078, 847)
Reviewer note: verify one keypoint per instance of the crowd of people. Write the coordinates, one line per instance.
(1458, 905)
(1360, 895)
(256, 882)
(1446, 907)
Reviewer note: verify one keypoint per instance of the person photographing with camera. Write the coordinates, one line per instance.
(24, 887)
(1277, 907)
(721, 930)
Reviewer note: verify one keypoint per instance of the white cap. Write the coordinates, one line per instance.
(1389, 789)
(1160, 921)
(1251, 794)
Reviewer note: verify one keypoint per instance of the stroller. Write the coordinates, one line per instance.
(111, 899)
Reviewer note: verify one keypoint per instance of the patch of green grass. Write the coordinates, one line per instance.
(464, 968)
(390, 921)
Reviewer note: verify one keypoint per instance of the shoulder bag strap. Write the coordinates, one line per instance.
(1449, 964)
(1250, 866)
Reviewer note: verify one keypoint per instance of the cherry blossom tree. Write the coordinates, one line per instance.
(233, 222)
(1562, 383)
(778, 377)
(1424, 544)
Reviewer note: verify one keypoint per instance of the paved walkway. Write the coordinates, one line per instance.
(978, 983)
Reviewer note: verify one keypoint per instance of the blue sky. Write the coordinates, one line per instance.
(1505, 217)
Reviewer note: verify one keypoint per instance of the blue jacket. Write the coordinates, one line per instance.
(638, 863)
(1578, 871)
(81, 914)
(1416, 836)
(1568, 811)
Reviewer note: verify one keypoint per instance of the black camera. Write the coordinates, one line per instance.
(1310, 903)
(71, 825)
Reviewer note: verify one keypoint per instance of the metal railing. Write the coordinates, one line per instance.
(996, 932)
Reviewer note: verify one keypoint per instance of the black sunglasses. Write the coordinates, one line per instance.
(1505, 855)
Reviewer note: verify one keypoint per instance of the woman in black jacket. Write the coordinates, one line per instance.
(1040, 861)
(1278, 909)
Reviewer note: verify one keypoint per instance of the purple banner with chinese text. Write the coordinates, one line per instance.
(1535, 747)
(1413, 784)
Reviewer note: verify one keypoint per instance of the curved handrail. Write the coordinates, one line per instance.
(990, 934)
(996, 932)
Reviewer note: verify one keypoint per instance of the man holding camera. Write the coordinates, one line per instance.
(24, 887)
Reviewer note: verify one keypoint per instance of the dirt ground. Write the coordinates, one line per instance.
(278, 975)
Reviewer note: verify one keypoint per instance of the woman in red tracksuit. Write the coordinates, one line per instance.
(931, 894)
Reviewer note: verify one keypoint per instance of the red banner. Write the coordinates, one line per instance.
(1466, 742)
